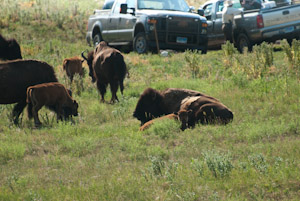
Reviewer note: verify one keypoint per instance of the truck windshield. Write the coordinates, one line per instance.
(177, 5)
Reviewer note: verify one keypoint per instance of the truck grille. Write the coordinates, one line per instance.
(168, 29)
(182, 25)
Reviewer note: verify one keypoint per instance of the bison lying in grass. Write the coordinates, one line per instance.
(50, 94)
(73, 66)
(107, 67)
(212, 113)
(181, 115)
(9, 49)
(153, 103)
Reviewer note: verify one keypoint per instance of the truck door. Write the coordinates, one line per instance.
(126, 22)
(218, 33)
(210, 26)
(112, 32)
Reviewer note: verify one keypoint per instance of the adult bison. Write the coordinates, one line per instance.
(16, 76)
(106, 66)
(212, 113)
(153, 103)
(206, 111)
(9, 49)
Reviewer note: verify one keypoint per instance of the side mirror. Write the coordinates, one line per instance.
(200, 11)
(123, 8)
(192, 8)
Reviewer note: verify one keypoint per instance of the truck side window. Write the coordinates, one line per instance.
(207, 11)
(116, 8)
(131, 3)
(220, 6)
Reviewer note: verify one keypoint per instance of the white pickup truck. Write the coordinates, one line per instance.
(253, 26)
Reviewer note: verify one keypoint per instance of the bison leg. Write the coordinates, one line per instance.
(59, 112)
(29, 110)
(18, 109)
(102, 89)
(114, 89)
(121, 86)
(35, 110)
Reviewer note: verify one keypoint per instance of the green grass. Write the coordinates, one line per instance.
(104, 156)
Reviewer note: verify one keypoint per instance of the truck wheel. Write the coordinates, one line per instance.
(140, 44)
(242, 42)
(204, 51)
(97, 39)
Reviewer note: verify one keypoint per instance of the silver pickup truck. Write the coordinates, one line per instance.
(144, 24)
(253, 26)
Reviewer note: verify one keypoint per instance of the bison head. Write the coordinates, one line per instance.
(150, 104)
(89, 60)
(14, 50)
(75, 108)
(183, 116)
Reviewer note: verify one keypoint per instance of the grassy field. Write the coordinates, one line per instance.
(104, 156)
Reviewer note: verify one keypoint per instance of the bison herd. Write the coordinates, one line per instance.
(34, 83)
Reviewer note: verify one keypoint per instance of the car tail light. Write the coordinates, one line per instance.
(260, 21)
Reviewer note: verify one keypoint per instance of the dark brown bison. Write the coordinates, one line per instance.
(181, 115)
(107, 66)
(9, 49)
(212, 113)
(200, 105)
(17, 76)
(153, 103)
(50, 94)
(73, 66)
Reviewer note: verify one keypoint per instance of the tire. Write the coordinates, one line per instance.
(140, 44)
(97, 39)
(204, 51)
(242, 42)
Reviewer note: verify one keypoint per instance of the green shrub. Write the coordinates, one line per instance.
(218, 163)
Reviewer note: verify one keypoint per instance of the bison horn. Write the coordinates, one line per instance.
(82, 54)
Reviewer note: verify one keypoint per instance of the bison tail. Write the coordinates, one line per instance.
(29, 103)
(29, 91)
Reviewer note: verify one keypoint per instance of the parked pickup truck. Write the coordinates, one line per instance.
(138, 23)
(253, 26)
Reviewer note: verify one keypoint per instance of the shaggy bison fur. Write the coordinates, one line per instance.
(153, 103)
(212, 113)
(107, 67)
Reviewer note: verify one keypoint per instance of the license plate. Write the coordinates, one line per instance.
(181, 40)
(288, 29)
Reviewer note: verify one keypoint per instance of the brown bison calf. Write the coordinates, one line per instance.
(213, 113)
(72, 66)
(54, 94)
(181, 115)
